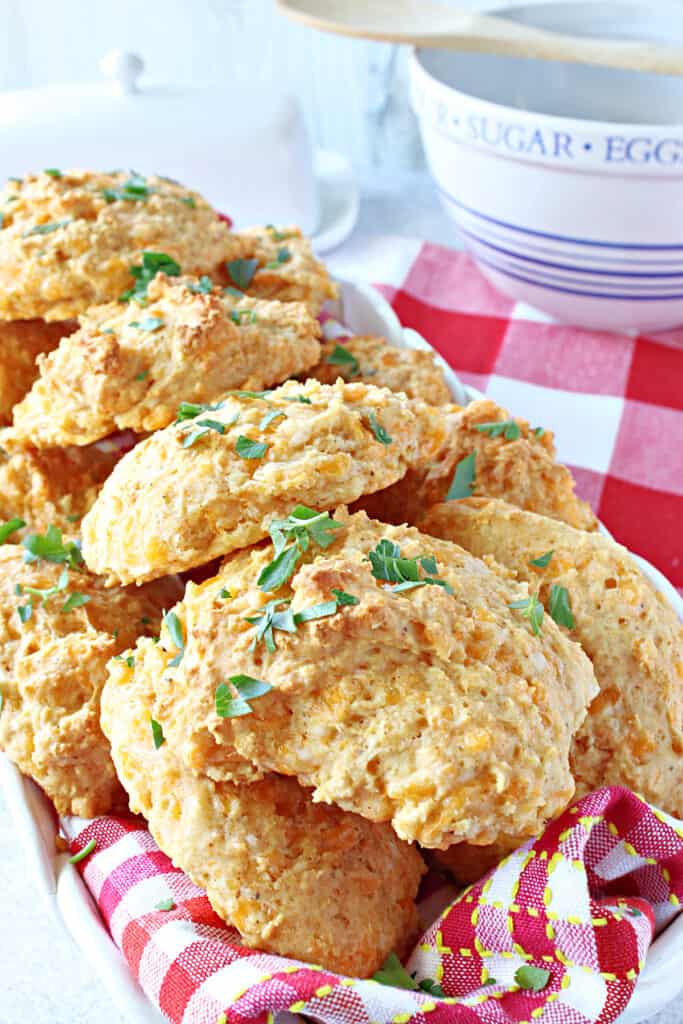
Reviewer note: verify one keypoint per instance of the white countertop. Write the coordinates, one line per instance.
(43, 977)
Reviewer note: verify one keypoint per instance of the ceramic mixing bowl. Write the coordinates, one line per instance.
(565, 181)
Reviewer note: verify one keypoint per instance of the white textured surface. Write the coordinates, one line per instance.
(43, 978)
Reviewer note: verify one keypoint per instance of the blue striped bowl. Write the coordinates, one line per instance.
(580, 218)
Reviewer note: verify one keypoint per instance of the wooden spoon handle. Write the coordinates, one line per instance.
(424, 23)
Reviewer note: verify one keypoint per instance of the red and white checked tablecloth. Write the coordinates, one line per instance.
(582, 901)
(614, 402)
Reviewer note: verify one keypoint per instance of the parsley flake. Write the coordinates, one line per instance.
(47, 229)
(302, 526)
(343, 598)
(276, 234)
(497, 428)
(168, 904)
(341, 356)
(189, 201)
(143, 375)
(531, 609)
(10, 527)
(283, 256)
(157, 734)
(533, 979)
(543, 560)
(49, 547)
(297, 398)
(539, 431)
(201, 428)
(85, 852)
(153, 263)
(54, 172)
(135, 189)
(389, 566)
(225, 594)
(75, 600)
(175, 632)
(247, 448)
(129, 660)
(235, 292)
(559, 606)
(149, 323)
(242, 272)
(464, 481)
(247, 688)
(243, 316)
(270, 417)
(203, 287)
(189, 410)
(380, 433)
(25, 611)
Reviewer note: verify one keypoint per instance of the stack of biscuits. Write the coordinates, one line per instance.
(281, 596)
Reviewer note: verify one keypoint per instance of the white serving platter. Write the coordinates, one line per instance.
(364, 311)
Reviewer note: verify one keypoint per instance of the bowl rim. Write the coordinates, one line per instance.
(579, 124)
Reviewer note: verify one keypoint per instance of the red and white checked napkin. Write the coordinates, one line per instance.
(580, 905)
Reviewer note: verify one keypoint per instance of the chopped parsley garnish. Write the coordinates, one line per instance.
(543, 560)
(168, 904)
(261, 396)
(148, 323)
(231, 705)
(135, 189)
(276, 235)
(297, 398)
(75, 600)
(270, 417)
(464, 480)
(129, 660)
(343, 598)
(489, 981)
(559, 607)
(204, 286)
(45, 594)
(539, 431)
(242, 272)
(10, 527)
(497, 428)
(392, 972)
(278, 615)
(75, 518)
(175, 631)
(224, 593)
(188, 410)
(153, 263)
(157, 734)
(341, 356)
(49, 547)
(235, 292)
(302, 526)
(379, 431)
(531, 609)
(47, 229)
(243, 316)
(283, 256)
(247, 448)
(388, 566)
(85, 852)
(189, 201)
(533, 979)
(25, 611)
(54, 172)
(143, 375)
(200, 428)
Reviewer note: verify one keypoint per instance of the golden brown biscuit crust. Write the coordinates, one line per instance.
(52, 669)
(130, 367)
(20, 343)
(285, 268)
(54, 486)
(633, 734)
(167, 507)
(411, 371)
(522, 470)
(295, 878)
(440, 712)
(68, 242)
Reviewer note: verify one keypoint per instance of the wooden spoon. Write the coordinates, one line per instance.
(426, 23)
